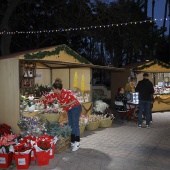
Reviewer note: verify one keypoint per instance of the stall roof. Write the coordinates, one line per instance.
(49, 57)
(154, 66)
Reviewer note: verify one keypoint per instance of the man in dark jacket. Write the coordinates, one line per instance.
(146, 90)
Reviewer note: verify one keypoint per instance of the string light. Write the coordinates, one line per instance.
(81, 28)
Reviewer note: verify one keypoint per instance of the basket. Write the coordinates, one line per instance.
(92, 125)
(105, 123)
(62, 144)
(30, 114)
(51, 117)
(82, 128)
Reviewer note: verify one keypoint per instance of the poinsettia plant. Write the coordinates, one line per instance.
(7, 141)
(5, 129)
(44, 142)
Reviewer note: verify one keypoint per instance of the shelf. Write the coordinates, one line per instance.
(27, 76)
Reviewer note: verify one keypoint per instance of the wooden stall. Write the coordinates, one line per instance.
(158, 73)
(19, 72)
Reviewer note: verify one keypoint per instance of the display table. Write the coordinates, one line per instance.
(86, 108)
(161, 103)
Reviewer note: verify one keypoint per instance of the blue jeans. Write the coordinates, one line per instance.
(146, 107)
(73, 119)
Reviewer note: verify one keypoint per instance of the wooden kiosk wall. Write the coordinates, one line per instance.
(118, 79)
(9, 92)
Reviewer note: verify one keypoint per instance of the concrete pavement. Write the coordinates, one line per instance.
(121, 147)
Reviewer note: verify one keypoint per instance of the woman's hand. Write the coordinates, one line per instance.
(42, 98)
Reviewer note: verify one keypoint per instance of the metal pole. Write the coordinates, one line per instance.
(169, 27)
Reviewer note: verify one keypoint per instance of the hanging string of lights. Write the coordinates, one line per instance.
(80, 28)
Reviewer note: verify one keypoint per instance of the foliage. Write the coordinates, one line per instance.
(55, 129)
(42, 54)
(151, 64)
(41, 89)
(125, 43)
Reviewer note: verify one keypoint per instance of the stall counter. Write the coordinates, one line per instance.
(161, 103)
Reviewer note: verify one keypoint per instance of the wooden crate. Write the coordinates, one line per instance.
(62, 144)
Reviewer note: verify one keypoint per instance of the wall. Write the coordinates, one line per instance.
(118, 79)
(67, 76)
(9, 92)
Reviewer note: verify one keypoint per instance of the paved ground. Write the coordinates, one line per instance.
(121, 147)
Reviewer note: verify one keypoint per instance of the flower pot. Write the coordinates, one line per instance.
(105, 123)
(22, 160)
(43, 158)
(92, 125)
(30, 109)
(5, 160)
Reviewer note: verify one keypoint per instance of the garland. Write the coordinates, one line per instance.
(42, 54)
(160, 63)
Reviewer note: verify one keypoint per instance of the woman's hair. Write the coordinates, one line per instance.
(58, 84)
(119, 89)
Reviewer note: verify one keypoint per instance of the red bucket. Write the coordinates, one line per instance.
(5, 160)
(22, 160)
(42, 158)
(51, 152)
(33, 155)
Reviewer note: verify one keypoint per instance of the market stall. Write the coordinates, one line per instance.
(21, 71)
(159, 75)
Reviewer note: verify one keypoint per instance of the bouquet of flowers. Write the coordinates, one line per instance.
(94, 118)
(83, 120)
(100, 107)
(31, 126)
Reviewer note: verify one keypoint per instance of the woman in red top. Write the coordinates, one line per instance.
(68, 102)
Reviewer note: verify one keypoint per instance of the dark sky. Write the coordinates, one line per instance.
(159, 12)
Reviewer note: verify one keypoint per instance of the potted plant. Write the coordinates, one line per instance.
(30, 105)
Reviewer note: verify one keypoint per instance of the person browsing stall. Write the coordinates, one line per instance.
(146, 90)
(120, 96)
(69, 103)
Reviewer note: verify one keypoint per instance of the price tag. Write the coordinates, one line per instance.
(51, 151)
(2, 160)
(32, 153)
(21, 161)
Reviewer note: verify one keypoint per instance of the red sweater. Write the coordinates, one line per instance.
(64, 97)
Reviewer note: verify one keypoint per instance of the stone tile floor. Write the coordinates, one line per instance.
(121, 147)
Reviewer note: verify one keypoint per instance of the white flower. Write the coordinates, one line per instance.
(100, 106)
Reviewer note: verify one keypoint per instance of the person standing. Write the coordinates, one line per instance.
(146, 90)
(69, 103)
